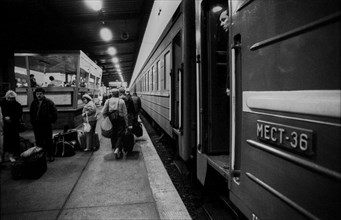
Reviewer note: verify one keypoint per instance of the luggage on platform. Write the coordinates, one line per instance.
(64, 149)
(137, 129)
(82, 140)
(69, 136)
(128, 142)
(24, 144)
(95, 143)
(31, 165)
(106, 128)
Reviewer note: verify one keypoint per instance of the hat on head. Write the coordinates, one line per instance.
(86, 96)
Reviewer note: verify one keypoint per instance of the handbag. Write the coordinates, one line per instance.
(87, 126)
(106, 128)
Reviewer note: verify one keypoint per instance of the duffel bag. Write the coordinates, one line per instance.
(137, 129)
(18, 169)
(106, 128)
(36, 165)
(32, 166)
(64, 149)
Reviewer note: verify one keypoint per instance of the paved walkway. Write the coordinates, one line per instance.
(93, 185)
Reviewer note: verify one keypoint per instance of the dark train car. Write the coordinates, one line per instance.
(256, 99)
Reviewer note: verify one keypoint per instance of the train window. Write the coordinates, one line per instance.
(160, 75)
(167, 71)
(21, 76)
(150, 73)
(155, 78)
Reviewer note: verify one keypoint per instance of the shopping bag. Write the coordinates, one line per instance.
(106, 128)
(87, 126)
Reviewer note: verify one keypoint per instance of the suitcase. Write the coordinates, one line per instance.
(128, 142)
(95, 142)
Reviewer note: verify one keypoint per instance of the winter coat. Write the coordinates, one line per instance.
(47, 113)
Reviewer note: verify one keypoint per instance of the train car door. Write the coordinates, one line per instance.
(286, 58)
(217, 76)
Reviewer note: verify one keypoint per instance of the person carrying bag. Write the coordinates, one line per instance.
(115, 109)
(90, 118)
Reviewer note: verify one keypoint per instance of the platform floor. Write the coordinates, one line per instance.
(93, 185)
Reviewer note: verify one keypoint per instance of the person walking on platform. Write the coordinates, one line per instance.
(89, 114)
(137, 105)
(116, 110)
(125, 95)
(43, 113)
(11, 113)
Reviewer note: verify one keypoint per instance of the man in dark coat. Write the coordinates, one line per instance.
(137, 105)
(43, 114)
(125, 95)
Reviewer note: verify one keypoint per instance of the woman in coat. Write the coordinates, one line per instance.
(89, 111)
(11, 113)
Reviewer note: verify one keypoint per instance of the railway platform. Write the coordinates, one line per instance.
(94, 185)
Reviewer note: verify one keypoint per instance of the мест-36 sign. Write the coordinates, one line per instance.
(295, 139)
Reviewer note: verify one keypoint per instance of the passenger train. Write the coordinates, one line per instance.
(251, 90)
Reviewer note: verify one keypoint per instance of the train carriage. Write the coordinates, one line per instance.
(251, 89)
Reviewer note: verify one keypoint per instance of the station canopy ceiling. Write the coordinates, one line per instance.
(61, 25)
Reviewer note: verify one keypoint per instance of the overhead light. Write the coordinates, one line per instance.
(117, 66)
(94, 4)
(112, 51)
(106, 34)
(114, 60)
(216, 9)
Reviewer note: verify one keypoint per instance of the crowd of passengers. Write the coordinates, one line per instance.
(43, 113)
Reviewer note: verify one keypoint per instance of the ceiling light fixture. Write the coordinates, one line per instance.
(216, 9)
(94, 4)
(112, 51)
(106, 34)
(114, 60)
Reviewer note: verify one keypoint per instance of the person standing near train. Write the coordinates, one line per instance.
(11, 113)
(137, 105)
(116, 110)
(125, 95)
(43, 113)
(89, 114)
